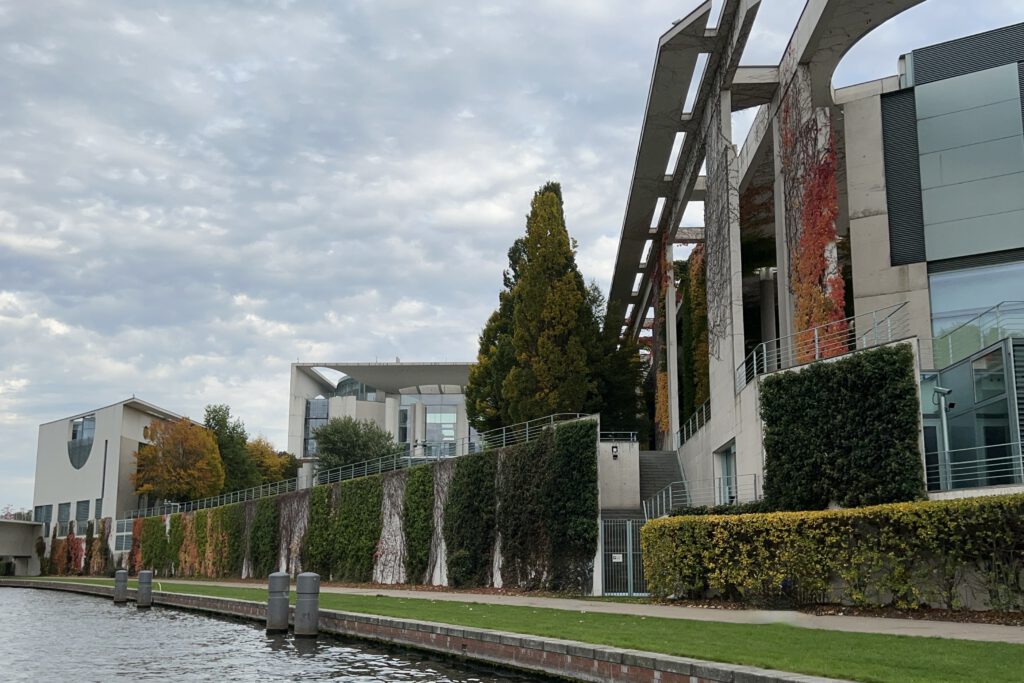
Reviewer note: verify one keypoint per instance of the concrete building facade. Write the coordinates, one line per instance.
(902, 198)
(84, 465)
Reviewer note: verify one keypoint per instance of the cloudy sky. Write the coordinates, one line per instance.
(195, 194)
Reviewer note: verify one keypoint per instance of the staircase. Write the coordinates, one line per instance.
(658, 469)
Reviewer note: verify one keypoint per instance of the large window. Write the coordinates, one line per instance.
(63, 517)
(316, 416)
(958, 296)
(83, 429)
(726, 493)
(44, 514)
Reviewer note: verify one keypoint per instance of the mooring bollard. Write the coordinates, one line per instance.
(307, 604)
(120, 587)
(277, 602)
(144, 596)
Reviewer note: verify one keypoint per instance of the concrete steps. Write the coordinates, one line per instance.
(658, 469)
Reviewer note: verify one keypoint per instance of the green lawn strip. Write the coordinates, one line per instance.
(836, 654)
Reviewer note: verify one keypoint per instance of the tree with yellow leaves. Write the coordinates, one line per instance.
(181, 463)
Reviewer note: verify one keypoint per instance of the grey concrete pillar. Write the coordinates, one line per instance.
(144, 596)
(307, 604)
(120, 586)
(278, 589)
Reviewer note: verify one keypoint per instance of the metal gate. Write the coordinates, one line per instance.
(621, 559)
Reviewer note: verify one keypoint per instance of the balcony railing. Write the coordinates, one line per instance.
(618, 436)
(977, 467)
(741, 488)
(700, 417)
(273, 489)
(1002, 320)
(825, 341)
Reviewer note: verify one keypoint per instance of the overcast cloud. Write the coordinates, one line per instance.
(195, 194)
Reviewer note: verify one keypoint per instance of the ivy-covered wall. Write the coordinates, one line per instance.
(843, 432)
(523, 516)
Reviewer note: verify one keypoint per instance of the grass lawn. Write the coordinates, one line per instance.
(836, 654)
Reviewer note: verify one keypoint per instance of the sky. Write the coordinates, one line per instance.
(193, 195)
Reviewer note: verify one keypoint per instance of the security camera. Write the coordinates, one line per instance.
(942, 390)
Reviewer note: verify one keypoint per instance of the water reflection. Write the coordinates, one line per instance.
(47, 635)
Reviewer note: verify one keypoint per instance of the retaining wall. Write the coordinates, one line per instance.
(561, 658)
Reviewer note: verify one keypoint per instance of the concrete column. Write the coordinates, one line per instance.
(144, 596)
(769, 332)
(120, 586)
(307, 604)
(785, 298)
(278, 588)
(672, 348)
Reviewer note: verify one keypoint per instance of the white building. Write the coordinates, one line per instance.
(84, 464)
(419, 404)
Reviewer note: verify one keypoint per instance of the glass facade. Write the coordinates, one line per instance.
(983, 448)
(362, 392)
(971, 145)
(316, 416)
(80, 445)
(958, 296)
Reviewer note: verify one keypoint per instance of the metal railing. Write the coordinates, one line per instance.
(700, 417)
(1002, 320)
(411, 454)
(740, 488)
(618, 436)
(976, 467)
(273, 489)
(420, 452)
(826, 341)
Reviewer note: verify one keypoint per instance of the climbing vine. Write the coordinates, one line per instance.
(469, 520)
(264, 545)
(356, 528)
(418, 522)
(317, 549)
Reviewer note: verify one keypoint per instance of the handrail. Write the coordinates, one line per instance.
(716, 491)
(1005, 319)
(700, 417)
(863, 331)
(272, 489)
(993, 465)
(618, 436)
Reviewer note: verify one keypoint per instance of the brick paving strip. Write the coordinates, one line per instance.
(564, 658)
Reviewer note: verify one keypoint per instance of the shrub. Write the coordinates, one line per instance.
(736, 509)
(522, 521)
(418, 521)
(469, 520)
(903, 554)
(843, 432)
(135, 554)
(356, 528)
(263, 542)
(572, 505)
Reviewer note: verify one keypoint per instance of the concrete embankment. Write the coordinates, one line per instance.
(561, 658)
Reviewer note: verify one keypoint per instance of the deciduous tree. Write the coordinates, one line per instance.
(181, 463)
(346, 440)
(240, 471)
(272, 465)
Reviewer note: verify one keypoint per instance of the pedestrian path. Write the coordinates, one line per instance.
(893, 626)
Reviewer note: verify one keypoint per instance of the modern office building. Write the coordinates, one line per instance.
(846, 218)
(84, 465)
(420, 404)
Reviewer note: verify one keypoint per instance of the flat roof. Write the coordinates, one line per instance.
(393, 377)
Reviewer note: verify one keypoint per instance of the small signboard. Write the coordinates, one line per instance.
(616, 557)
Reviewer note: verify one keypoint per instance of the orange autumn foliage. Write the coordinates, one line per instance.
(182, 462)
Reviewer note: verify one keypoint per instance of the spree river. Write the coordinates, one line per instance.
(56, 636)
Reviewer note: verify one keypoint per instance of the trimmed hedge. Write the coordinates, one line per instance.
(937, 553)
(263, 542)
(843, 432)
(469, 520)
(572, 506)
(317, 553)
(418, 522)
(522, 511)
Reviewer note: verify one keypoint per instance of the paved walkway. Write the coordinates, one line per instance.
(894, 626)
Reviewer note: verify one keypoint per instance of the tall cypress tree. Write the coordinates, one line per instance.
(554, 331)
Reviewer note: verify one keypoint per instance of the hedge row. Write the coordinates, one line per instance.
(940, 554)
(539, 497)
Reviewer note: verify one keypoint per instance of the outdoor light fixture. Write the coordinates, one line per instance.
(615, 452)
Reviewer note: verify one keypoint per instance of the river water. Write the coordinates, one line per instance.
(56, 636)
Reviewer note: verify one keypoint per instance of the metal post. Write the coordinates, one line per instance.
(629, 557)
(874, 327)
(817, 355)
(307, 604)
(144, 596)
(888, 328)
(278, 587)
(120, 587)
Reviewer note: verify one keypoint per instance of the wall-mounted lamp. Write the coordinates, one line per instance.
(615, 452)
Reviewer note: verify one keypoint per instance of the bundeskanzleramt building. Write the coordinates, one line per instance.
(84, 465)
(904, 197)
(422, 405)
